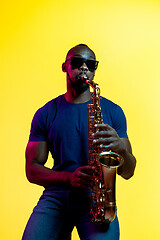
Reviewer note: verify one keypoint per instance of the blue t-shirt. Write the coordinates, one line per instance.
(64, 126)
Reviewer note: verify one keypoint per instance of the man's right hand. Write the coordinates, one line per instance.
(82, 177)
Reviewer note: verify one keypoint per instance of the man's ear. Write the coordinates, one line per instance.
(64, 67)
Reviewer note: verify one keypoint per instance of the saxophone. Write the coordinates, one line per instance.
(103, 202)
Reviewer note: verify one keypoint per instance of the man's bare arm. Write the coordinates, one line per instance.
(36, 172)
(128, 167)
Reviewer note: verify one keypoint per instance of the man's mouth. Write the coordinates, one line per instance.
(83, 76)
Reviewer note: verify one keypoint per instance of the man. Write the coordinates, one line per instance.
(61, 127)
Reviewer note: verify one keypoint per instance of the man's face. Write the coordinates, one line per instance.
(76, 72)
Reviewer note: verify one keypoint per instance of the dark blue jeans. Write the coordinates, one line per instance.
(58, 211)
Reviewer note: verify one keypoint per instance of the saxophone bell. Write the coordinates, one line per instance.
(110, 159)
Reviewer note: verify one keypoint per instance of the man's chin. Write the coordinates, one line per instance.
(80, 86)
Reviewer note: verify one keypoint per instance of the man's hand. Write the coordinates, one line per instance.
(106, 137)
(82, 177)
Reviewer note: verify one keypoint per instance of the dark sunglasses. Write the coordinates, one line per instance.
(77, 62)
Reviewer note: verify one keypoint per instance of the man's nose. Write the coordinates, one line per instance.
(84, 67)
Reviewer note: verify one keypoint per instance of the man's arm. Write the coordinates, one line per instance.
(36, 172)
(128, 167)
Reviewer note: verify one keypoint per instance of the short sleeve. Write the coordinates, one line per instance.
(119, 122)
(38, 131)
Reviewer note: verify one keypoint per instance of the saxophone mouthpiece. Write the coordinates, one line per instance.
(86, 79)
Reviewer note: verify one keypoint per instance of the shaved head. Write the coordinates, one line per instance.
(81, 46)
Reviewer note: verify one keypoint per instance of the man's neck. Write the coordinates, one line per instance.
(72, 97)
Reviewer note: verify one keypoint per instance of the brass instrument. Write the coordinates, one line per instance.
(103, 202)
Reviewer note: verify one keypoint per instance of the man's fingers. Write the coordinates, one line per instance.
(87, 169)
(102, 126)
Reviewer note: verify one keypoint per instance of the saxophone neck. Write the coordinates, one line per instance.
(91, 83)
(95, 87)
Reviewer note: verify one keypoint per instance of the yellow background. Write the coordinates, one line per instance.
(125, 35)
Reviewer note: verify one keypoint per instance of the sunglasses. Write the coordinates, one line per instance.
(77, 62)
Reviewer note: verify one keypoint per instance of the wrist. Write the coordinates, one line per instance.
(68, 178)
